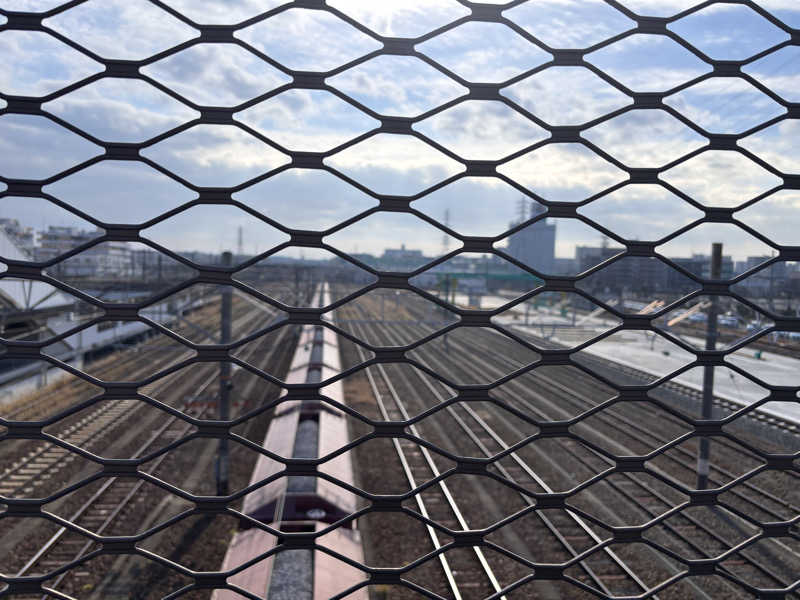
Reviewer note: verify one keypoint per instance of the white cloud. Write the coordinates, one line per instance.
(641, 212)
(120, 191)
(481, 130)
(307, 120)
(394, 164)
(287, 37)
(721, 178)
(37, 64)
(570, 23)
(121, 110)
(563, 172)
(484, 52)
(401, 18)
(778, 144)
(212, 227)
(566, 95)
(222, 12)
(397, 85)
(216, 74)
(32, 147)
(645, 138)
(215, 155)
(775, 216)
(725, 105)
(121, 29)
(326, 200)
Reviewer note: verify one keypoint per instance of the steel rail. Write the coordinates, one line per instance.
(436, 473)
(207, 382)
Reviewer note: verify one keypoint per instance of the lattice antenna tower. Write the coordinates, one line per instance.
(522, 210)
(445, 236)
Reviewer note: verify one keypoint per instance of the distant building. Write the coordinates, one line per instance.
(534, 245)
(700, 265)
(108, 259)
(400, 259)
(24, 238)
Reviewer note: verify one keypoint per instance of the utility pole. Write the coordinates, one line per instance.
(224, 383)
(708, 373)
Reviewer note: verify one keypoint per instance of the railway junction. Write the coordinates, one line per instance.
(443, 299)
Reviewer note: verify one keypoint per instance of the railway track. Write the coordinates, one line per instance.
(44, 462)
(648, 500)
(98, 512)
(559, 528)
(469, 570)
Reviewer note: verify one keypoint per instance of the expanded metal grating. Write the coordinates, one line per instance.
(641, 131)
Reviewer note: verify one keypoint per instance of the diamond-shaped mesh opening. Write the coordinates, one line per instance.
(289, 276)
(659, 284)
(557, 320)
(725, 384)
(307, 120)
(474, 281)
(768, 216)
(135, 339)
(645, 138)
(120, 110)
(46, 64)
(284, 37)
(385, 227)
(483, 52)
(37, 295)
(776, 144)
(114, 29)
(394, 164)
(645, 498)
(651, 356)
(215, 155)
(727, 461)
(481, 130)
(563, 172)
(526, 393)
(648, 63)
(716, 31)
(567, 25)
(198, 226)
(216, 75)
(55, 148)
(380, 275)
(44, 390)
(195, 313)
(614, 211)
(330, 200)
(681, 250)
(775, 71)
(766, 358)
(723, 321)
(479, 206)
(717, 178)
(86, 190)
(114, 272)
(40, 470)
(709, 105)
(442, 355)
(401, 317)
(21, 549)
(558, 95)
(400, 86)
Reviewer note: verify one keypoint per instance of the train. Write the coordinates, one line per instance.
(301, 429)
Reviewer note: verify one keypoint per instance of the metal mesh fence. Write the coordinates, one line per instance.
(732, 534)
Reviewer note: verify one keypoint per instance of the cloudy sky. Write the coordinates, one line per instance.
(231, 75)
